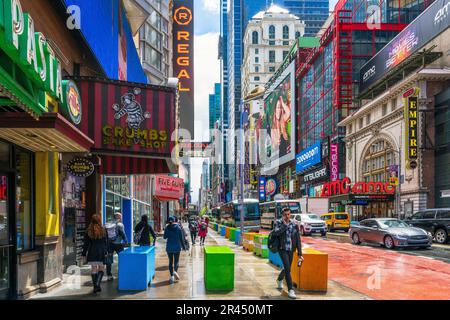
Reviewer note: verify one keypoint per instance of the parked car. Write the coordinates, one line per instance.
(435, 221)
(391, 233)
(336, 220)
(311, 223)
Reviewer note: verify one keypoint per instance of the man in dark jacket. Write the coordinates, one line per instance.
(289, 236)
(193, 226)
(145, 230)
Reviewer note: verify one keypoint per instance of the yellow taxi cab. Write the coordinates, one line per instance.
(336, 220)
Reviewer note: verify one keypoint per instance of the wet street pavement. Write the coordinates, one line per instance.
(354, 273)
(254, 279)
(385, 274)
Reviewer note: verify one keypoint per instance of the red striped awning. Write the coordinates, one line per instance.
(132, 165)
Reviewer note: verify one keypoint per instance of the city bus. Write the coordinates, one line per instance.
(230, 214)
(271, 211)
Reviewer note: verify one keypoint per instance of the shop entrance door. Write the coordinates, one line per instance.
(7, 248)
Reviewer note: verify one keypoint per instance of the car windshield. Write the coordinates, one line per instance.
(392, 224)
(312, 216)
(341, 217)
(297, 217)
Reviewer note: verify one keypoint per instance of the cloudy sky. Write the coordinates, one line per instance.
(206, 73)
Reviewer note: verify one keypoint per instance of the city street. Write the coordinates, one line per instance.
(355, 273)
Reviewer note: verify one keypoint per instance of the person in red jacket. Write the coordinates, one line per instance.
(202, 231)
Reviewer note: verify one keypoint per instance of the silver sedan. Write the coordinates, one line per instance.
(391, 233)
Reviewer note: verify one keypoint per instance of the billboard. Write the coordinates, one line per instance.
(128, 118)
(183, 59)
(308, 157)
(277, 121)
(429, 24)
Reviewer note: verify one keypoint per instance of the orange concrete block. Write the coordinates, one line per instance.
(313, 274)
(248, 242)
(227, 232)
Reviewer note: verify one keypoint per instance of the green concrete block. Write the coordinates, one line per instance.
(257, 248)
(232, 234)
(261, 248)
(219, 268)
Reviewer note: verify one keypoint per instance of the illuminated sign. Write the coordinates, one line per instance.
(80, 167)
(169, 187)
(308, 157)
(71, 108)
(334, 162)
(262, 189)
(271, 187)
(3, 188)
(316, 175)
(29, 49)
(183, 59)
(344, 186)
(411, 125)
(428, 25)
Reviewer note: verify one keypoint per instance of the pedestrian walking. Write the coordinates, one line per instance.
(185, 237)
(117, 241)
(175, 243)
(95, 250)
(202, 231)
(142, 232)
(193, 229)
(289, 241)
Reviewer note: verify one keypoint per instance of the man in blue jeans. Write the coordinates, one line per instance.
(289, 236)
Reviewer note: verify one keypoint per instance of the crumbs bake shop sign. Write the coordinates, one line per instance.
(80, 167)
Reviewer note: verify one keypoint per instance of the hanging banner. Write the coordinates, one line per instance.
(411, 125)
(183, 59)
(334, 161)
(262, 189)
(80, 167)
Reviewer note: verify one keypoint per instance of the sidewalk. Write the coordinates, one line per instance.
(254, 279)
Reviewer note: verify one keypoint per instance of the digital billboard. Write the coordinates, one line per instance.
(277, 121)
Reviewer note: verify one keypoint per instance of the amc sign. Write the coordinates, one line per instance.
(344, 186)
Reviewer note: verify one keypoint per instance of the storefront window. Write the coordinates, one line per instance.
(113, 205)
(24, 218)
(140, 209)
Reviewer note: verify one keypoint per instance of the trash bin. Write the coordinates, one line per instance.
(219, 268)
(232, 234)
(227, 232)
(248, 241)
(136, 268)
(275, 259)
(313, 274)
(223, 231)
(237, 238)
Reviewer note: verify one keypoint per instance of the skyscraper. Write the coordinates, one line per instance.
(313, 13)
(215, 106)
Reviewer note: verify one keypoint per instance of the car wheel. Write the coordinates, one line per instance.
(355, 238)
(389, 242)
(324, 234)
(440, 236)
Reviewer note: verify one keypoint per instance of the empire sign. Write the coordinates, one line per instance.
(411, 123)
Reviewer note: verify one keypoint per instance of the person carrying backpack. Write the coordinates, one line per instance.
(202, 231)
(193, 229)
(285, 237)
(117, 241)
(175, 243)
(142, 232)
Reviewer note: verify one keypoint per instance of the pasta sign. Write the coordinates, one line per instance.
(183, 60)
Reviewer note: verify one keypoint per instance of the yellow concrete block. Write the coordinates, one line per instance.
(248, 241)
(313, 274)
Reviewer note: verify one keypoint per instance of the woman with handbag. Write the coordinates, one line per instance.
(95, 250)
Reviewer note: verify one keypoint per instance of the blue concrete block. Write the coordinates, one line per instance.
(237, 236)
(275, 259)
(223, 231)
(136, 268)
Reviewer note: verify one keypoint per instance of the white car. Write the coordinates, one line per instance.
(310, 223)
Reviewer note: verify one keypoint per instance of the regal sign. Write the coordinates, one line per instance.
(183, 59)
(344, 186)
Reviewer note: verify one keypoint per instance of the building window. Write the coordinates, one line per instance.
(368, 119)
(285, 32)
(272, 69)
(271, 56)
(256, 69)
(255, 37)
(297, 35)
(256, 51)
(257, 78)
(349, 128)
(361, 123)
(271, 43)
(271, 32)
(285, 53)
(393, 104)
(24, 164)
(384, 109)
(377, 161)
(256, 59)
